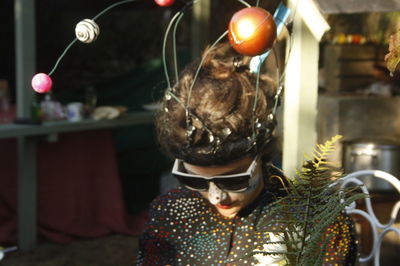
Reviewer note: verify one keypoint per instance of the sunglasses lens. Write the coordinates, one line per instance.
(193, 182)
(234, 183)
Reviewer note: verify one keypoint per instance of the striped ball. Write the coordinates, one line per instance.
(87, 31)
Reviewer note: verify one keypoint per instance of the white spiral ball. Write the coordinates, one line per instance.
(87, 31)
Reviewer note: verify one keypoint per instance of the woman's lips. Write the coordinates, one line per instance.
(224, 206)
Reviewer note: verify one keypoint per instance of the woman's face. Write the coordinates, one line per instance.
(230, 203)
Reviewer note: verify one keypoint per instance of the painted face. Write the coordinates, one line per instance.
(230, 203)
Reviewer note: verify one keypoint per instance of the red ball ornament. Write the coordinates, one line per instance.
(165, 2)
(252, 31)
(41, 83)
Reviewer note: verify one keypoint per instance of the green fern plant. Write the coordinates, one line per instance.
(312, 204)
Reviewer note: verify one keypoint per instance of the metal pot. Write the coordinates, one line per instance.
(372, 154)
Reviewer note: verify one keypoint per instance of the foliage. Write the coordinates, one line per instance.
(301, 217)
(393, 57)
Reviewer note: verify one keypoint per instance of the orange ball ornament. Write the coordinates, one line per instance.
(252, 31)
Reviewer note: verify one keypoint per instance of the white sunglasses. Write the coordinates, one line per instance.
(233, 182)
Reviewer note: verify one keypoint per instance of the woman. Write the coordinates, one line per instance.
(219, 130)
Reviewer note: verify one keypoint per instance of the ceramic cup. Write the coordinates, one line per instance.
(74, 112)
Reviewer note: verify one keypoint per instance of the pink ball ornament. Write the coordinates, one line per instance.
(164, 2)
(41, 83)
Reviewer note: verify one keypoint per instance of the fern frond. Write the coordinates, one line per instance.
(312, 204)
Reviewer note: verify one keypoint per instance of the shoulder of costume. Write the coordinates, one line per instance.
(174, 195)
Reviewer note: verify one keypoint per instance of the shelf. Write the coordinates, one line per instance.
(54, 127)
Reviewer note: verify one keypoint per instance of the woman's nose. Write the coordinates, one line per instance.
(215, 194)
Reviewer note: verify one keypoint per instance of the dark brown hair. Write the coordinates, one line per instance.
(222, 99)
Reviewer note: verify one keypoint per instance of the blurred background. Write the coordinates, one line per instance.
(105, 178)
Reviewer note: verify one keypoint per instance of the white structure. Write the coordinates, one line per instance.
(301, 84)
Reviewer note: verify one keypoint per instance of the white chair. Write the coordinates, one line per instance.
(379, 230)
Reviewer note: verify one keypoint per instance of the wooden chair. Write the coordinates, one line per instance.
(379, 230)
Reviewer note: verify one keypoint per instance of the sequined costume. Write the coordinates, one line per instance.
(185, 230)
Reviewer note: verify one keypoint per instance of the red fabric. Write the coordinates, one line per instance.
(79, 191)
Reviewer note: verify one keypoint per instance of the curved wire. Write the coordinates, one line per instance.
(174, 48)
(110, 7)
(205, 55)
(176, 99)
(244, 3)
(254, 117)
(174, 21)
(278, 85)
(291, 40)
(61, 56)
(165, 45)
(257, 87)
(200, 65)
(255, 65)
(178, 17)
(74, 40)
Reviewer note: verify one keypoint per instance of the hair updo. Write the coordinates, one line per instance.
(222, 99)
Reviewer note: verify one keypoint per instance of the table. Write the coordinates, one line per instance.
(55, 127)
(32, 163)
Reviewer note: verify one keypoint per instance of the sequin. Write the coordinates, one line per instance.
(196, 235)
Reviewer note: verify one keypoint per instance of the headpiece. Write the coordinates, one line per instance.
(252, 32)
(219, 145)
